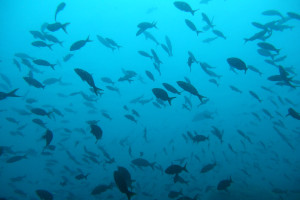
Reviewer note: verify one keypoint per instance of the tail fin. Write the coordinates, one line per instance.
(52, 66)
(152, 165)
(198, 32)
(170, 99)
(64, 27)
(184, 168)
(193, 11)
(12, 93)
(130, 194)
(50, 46)
(201, 97)
(88, 39)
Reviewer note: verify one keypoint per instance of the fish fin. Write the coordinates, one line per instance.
(12, 93)
(170, 99)
(64, 27)
(130, 194)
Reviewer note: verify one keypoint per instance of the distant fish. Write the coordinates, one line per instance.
(145, 54)
(59, 8)
(143, 26)
(41, 112)
(53, 39)
(207, 20)
(150, 75)
(224, 184)
(68, 57)
(175, 169)
(169, 45)
(4, 95)
(15, 159)
(294, 15)
(293, 113)
(268, 46)
(48, 137)
(183, 6)
(255, 96)
(208, 167)
(219, 34)
(272, 13)
(44, 194)
(170, 88)
(191, 89)
(79, 44)
(96, 131)
(41, 44)
(141, 162)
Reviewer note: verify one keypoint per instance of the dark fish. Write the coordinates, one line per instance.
(255, 96)
(43, 63)
(39, 122)
(131, 118)
(170, 88)
(207, 20)
(155, 57)
(169, 45)
(41, 44)
(12, 120)
(126, 175)
(190, 88)
(265, 53)
(179, 179)
(166, 49)
(293, 15)
(56, 26)
(105, 42)
(87, 77)
(140, 162)
(68, 57)
(208, 167)
(174, 194)
(192, 26)
(15, 159)
(293, 113)
(4, 95)
(37, 35)
(59, 8)
(41, 112)
(224, 184)
(268, 46)
(150, 75)
(44, 195)
(96, 131)
(175, 169)
(53, 39)
(101, 188)
(272, 13)
(145, 54)
(218, 133)
(237, 63)
(79, 44)
(143, 26)
(219, 34)
(259, 36)
(183, 6)
(122, 184)
(81, 176)
(162, 94)
(113, 43)
(48, 137)
(34, 82)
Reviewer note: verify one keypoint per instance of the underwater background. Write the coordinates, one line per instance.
(93, 118)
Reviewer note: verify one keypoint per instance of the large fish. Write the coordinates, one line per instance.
(162, 94)
(237, 63)
(87, 77)
(122, 184)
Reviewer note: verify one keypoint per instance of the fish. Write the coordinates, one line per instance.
(259, 36)
(192, 26)
(185, 7)
(57, 26)
(174, 194)
(219, 34)
(41, 112)
(53, 39)
(166, 49)
(41, 44)
(141, 162)
(224, 184)
(268, 46)
(101, 188)
(126, 175)
(96, 131)
(162, 94)
(87, 77)
(113, 43)
(209, 40)
(4, 95)
(131, 118)
(179, 179)
(12, 120)
(255, 96)
(42, 62)
(16, 159)
(105, 42)
(191, 89)
(38, 35)
(254, 69)
(79, 44)
(50, 81)
(293, 15)
(148, 35)
(17, 64)
(293, 113)
(169, 45)
(208, 167)
(175, 169)
(59, 8)
(34, 82)
(68, 57)
(207, 20)
(272, 13)
(122, 184)
(237, 63)
(145, 54)
(143, 26)
(48, 137)
(81, 176)
(170, 88)
(150, 75)
(44, 194)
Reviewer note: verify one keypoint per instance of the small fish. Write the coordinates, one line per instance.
(224, 184)
(57, 26)
(59, 8)
(34, 82)
(183, 6)
(41, 44)
(16, 159)
(162, 94)
(44, 194)
(42, 62)
(192, 26)
(255, 96)
(150, 75)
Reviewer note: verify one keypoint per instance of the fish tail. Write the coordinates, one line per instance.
(245, 40)
(64, 27)
(130, 194)
(12, 93)
(88, 39)
(170, 99)
(61, 43)
(193, 11)
(152, 165)
(184, 168)
(198, 32)
(50, 46)
(52, 66)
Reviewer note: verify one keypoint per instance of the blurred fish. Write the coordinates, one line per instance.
(96, 131)
(57, 26)
(191, 89)
(122, 184)
(192, 26)
(15, 159)
(175, 169)
(41, 44)
(59, 8)
(42, 62)
(101, 188)
(34, 82)
(224, 184)
(44, 194)
(183, 6)
(237, 63)
(219, 34)
(162, 94)
(4, 95)
(87, 77)
(293, 113)
(170, 88)
(79, 44)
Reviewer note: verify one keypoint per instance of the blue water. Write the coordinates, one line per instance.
(265, 168)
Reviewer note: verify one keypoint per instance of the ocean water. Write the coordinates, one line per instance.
(88, 133)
